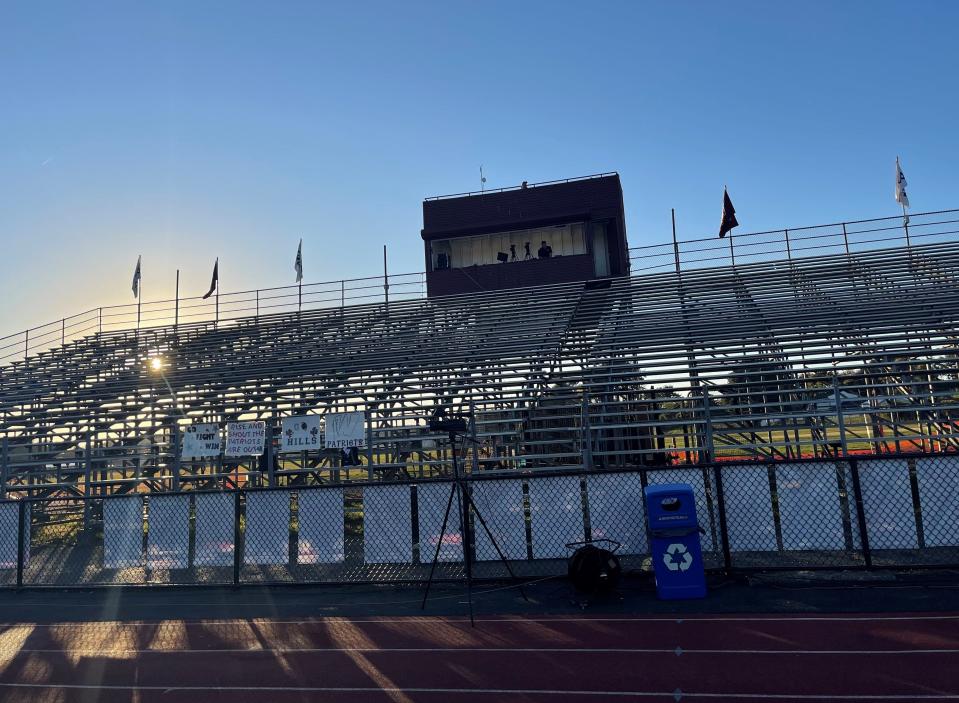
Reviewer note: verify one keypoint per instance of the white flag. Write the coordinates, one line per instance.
(901, 196)
(136, 280)
(298, 264)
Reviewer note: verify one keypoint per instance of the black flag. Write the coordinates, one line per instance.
(216, 279)
(729, 216)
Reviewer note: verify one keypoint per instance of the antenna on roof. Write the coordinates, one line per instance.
(482, 180)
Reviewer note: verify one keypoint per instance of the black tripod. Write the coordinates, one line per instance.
(464, 502)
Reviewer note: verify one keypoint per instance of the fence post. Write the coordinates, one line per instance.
(369, 444)
(4, 466)
(839, 416)
(22, 534)
(176, 456)
(586, 435)
(860, 513)
(268, 454)
(707, 416)
(236, 537)
(87, 489)
(721, 507)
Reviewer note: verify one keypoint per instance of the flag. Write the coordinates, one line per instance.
(901, 196)
(216, 279)
(729, 216)
(298, 264)
(136, 280)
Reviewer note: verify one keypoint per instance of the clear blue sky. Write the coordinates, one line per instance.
(183, 131)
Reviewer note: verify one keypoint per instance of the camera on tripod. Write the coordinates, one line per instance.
(444, 421)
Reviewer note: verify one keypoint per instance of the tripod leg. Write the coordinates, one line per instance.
(463, 496)
(492, 539)
(439, 544)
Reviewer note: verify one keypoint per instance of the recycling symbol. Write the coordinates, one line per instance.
(677, 557)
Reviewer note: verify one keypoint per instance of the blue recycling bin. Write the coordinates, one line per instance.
(674, 541)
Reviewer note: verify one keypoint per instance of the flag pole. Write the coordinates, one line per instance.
(139, 293)
(176, 304)
(732, 252)
(905, 224)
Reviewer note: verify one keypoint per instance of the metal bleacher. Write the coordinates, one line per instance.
(776, 354)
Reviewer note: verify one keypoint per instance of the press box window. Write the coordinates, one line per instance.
(506, 247)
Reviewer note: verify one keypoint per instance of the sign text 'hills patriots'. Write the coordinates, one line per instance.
(345, 430)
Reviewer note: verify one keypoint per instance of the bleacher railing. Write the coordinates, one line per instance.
(679, 255)
(218, 308)
(796, 243)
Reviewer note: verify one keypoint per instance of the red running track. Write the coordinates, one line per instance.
(436, 660)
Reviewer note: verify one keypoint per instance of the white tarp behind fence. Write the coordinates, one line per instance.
(556, 515)
(500, 502)
(214, 529)
(168, 535)
(617, 511)
(123, 532)
(321, 526)
(387, 525)
(431, 501)
(267, 537)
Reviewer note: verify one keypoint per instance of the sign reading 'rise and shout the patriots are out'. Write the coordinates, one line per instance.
(245, 438)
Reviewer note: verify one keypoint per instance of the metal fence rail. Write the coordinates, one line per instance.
(856, 513)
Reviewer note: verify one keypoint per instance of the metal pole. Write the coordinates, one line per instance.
(63, 331)
(721, 506)
(299, 297)
(176, 308)
(176, 456)
(707, 416)
(860, 513)
(845, 238)
(789, 251)
(839, 416)
(386, 284)
(586, 435)
(23, 533)
(732, 252)
(87, 477)
(270, 475)
(100, 321)
(905, 224)
(5, 466)
(369, 445)
(26, 345)
(236, 536)
(675, 242)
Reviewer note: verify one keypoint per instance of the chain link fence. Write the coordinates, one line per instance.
(876, 512)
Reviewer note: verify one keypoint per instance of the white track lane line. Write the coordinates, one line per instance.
(675, 619)
(487, 692)
(678, 651)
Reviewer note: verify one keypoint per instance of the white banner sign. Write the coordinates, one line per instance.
(201, 440)
(300, 433)
(345, 430)
(245, 438)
